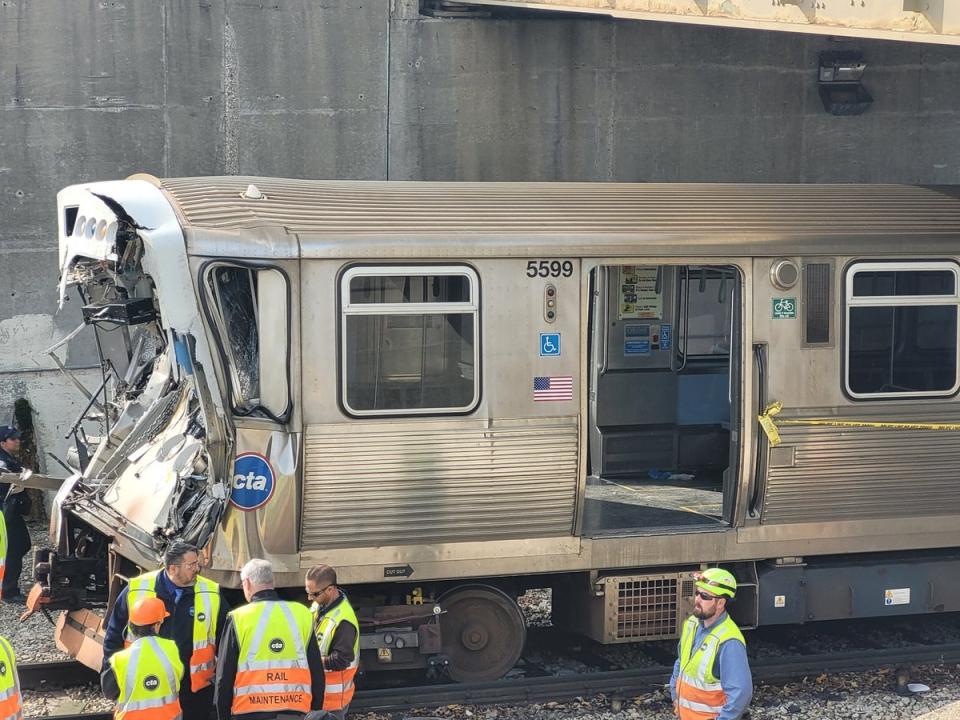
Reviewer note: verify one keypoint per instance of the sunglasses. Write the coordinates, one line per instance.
(318, 593)
(705, 596)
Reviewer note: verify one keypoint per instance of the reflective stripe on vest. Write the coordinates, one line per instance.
(11, 705)
(206, 610)
(148, 675)
(700, 695)
(272, 670)
(339, 687)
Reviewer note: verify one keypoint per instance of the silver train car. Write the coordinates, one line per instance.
(454, 392)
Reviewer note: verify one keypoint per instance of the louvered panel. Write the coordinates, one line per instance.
(401, 208)
(396, 483)
(865, 473)
(817, 302)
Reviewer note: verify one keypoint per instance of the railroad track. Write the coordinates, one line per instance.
(63, 673)
(617, 683)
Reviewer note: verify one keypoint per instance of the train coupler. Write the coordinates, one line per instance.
(62, 583)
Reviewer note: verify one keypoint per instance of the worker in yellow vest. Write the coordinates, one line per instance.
(197, 614)
(711, 677)
(144, 678)
(269, 662)
(11, 704)
(338, 633)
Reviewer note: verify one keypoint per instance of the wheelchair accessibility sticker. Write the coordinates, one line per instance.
(253, 482)
(549, 344)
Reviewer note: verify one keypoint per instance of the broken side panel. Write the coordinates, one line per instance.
(253, 323)
(152, 440)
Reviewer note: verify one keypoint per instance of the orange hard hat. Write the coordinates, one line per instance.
(148, 611)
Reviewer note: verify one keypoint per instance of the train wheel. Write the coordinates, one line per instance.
(482, 632)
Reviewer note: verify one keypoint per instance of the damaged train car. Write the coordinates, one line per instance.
(454, 392)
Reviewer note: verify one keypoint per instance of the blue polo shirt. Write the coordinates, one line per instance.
(171, 588)
(734, 672)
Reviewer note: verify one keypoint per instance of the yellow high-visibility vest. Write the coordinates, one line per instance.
(11, 705)
(272, 670)
(699, 693)
(339, 688)
(148, 675)
(206, 610)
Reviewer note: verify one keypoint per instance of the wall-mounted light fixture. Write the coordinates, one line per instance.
(839, 82)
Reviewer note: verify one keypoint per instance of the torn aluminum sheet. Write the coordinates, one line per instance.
(145, 457)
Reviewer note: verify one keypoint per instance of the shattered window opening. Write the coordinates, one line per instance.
(235, 293)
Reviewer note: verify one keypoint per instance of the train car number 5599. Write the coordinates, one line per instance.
(549, 268)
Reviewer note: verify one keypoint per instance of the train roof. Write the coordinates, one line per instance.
(421, 219)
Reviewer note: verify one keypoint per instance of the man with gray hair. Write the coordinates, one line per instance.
(269, 664)
(197, 615)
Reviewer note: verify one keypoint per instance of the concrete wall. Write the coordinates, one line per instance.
(370, 89)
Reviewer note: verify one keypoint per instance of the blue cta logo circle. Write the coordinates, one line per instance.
(253, 481)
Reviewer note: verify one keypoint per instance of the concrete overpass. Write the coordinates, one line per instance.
(923, 21)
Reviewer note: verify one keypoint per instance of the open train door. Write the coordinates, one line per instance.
(665, 378)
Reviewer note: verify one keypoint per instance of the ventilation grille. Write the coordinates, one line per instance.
(818, 299)
(646, 608)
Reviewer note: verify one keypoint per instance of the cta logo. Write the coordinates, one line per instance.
(276, 645)
(151, 682)
(253, 481)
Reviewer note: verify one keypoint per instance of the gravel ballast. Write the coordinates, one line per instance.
(854, 695)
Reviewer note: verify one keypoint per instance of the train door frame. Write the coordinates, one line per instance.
(741, 392)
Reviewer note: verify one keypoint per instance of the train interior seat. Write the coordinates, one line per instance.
(660, 399)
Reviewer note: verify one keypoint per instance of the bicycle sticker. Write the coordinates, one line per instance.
(784, 308)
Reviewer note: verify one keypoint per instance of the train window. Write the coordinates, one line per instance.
(249, 307)
(409, 340)
(409, 289)
(706, 296)
(902, 329)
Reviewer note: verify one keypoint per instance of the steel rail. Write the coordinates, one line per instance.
(61, 673)
(617, 683)
(626, 683)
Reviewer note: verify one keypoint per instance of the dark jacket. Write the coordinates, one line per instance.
(178, 627)
(108, 683)
(14, 508)
(341, 646)
(228, 657)
(17, 504)
(8, 464)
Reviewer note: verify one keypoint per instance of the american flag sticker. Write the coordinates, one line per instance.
(553, 387)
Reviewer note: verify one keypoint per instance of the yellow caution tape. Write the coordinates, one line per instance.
(766, 422)
(773, 435)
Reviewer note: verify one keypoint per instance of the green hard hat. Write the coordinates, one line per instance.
(718, 581)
